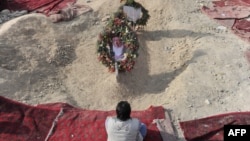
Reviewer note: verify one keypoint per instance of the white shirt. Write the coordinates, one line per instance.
(118, 130)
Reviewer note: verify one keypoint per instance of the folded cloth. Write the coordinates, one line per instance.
(211, 128)
(47, 7)
(69, 12)
(233, 14)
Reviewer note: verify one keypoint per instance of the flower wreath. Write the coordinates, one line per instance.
(118, 26)
(145, 15)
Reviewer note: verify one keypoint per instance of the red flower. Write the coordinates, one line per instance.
(117, 21)
(111, 69)
(133, 63)
(101, 57)
(129, 69)
(100, 36)
(108, 60)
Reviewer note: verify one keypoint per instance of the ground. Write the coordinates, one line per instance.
(187, 62)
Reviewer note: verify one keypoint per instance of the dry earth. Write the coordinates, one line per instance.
(187, 63)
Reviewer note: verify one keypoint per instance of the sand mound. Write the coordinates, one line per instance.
(33, 50)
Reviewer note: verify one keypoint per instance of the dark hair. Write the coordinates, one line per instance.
(123, 110)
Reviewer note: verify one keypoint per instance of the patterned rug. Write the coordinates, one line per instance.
(61, 121)
(211, 128)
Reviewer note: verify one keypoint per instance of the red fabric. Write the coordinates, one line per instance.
(24, 123)
(47, 7)
(233, 14)
(211, 128)
(222, 3)
(27, 123)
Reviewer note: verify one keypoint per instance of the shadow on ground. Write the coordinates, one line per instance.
(138, 81)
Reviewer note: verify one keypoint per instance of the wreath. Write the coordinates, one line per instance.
(145, 15)
(117, 26)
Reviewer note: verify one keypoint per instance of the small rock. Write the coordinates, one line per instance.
(221, 28)
(104, 19)
(24, 101)
(167, 48)
(63, 89)
(23, 12)
(207, 102)
(238, 83)
(5, 12)
(88, 1)
(4, 65)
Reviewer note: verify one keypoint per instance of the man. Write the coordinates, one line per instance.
(118, 49)
(123, 127)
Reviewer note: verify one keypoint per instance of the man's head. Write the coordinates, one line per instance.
(123, 110)
(117, 42)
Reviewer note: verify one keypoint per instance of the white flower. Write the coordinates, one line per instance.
(126, 30)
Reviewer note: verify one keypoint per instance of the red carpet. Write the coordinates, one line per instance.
(60, 121)
(47, 7)
(211, 128)
(232, 14)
